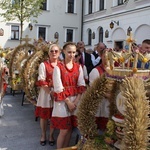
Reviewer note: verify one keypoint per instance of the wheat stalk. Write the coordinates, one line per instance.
(136, 114)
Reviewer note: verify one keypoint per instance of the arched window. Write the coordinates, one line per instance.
(89, 37)
(101, 34)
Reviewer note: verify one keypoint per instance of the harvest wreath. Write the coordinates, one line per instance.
(30, 73)
(18, 58)
(24, 65)
(136, 119)
(127, 89)
(102, 87)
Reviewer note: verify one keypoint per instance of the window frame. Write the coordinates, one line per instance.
(67, 35)
(101, 5)
(44, 5)
(90, 6)
(71, 6)
(39, 32)
(101, 35)
(15, 32)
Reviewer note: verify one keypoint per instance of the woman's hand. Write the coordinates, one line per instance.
(70, 105)
(76, 101)
(46, 89)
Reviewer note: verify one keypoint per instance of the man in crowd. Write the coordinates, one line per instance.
(85, 57)
(96, 59)
(145, 49)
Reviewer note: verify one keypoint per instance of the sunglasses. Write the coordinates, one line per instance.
(54, 51)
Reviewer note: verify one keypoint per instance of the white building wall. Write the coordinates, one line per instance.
(135, 13)
(55, 19)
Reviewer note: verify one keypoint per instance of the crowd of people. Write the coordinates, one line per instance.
(62, 79)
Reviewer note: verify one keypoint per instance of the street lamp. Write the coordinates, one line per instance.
(106, 34)
(30, 26)
(112, 24)
(129, 31)
(56, 35)
(93, 35)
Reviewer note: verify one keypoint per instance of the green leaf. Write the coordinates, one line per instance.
(20, 10)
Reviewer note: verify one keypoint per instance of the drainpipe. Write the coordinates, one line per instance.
(82, 20)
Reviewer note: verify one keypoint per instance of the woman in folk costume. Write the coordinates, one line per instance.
(45, 99)
(69, 84)
(103, 111)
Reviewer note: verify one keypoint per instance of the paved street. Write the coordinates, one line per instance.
(18, 128)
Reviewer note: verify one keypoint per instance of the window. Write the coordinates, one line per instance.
(101, 4)
(44, 5)
(69, 37)
(90, 6)
(120, 2)
(14, 32)
(70, 6)
(42, 33)
(89, 37)
(101, 34)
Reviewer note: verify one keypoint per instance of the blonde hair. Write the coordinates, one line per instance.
(51, 46)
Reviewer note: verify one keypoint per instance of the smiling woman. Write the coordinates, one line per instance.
(44, 105)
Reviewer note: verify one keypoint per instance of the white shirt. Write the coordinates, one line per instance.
(83, 56)
(93, 75)
(95, 61)
(103, 110)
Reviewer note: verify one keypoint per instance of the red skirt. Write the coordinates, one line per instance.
(64, 123)
(44, 113)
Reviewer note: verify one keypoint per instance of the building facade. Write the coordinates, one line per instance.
(59, 19)
(108, 21)
(87, 20)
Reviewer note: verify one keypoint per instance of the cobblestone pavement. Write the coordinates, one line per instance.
(18, 128)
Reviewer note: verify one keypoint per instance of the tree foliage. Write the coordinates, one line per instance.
(20, 10)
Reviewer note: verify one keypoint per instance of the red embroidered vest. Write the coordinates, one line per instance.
(49, 73)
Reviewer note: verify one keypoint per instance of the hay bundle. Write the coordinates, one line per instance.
(136, 114)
